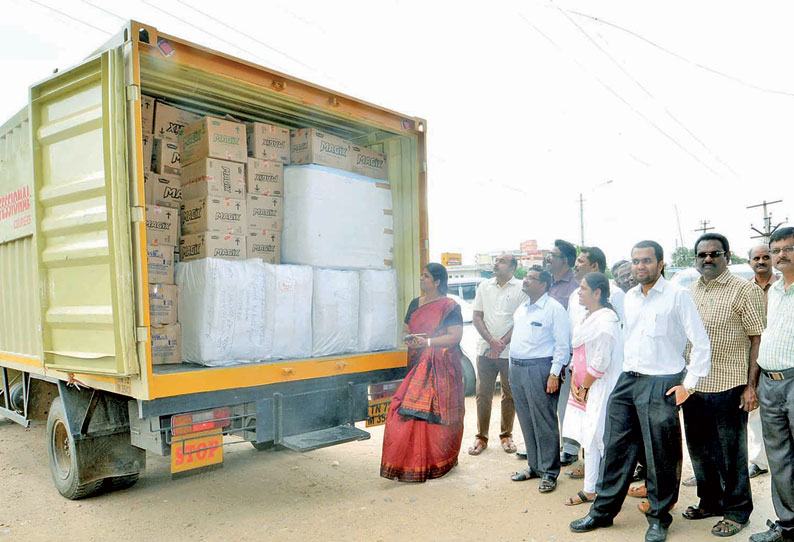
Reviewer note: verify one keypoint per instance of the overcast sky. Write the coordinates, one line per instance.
(687, 104)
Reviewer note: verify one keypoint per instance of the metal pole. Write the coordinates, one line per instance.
(581, 218)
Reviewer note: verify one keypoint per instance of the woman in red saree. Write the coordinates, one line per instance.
(424, 424)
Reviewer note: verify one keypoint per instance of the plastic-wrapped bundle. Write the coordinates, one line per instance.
(288, 311)
(334, 218)
(224, 316)
(334, 312)
(377, 313)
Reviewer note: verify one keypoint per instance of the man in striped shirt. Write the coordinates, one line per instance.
(776, 388)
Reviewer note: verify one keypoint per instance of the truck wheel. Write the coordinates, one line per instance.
(469, 376)
(63, 462)
(117, 483)
(261, 446)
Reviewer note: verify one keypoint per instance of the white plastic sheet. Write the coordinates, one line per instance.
(377, 310)
(334, 312)
(223, 315)
(334, 218)
(288, 311)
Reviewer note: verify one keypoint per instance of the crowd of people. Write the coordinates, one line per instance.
(606, 367)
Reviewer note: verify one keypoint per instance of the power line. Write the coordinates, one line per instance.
(252, 38)
(100, 8)
(62, 14)
(683, 58)
(704, 226)
(624, 101)
(645, 90)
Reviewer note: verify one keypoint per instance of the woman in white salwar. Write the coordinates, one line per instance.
(597, 342)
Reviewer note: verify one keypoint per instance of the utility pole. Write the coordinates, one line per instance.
(581, 219)
(768, 228)
(704, 226)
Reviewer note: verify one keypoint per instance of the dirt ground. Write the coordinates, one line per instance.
(333, 494)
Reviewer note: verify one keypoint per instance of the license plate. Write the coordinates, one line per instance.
(377, 411)
(196, 450)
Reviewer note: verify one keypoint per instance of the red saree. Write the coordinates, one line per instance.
(424, 424)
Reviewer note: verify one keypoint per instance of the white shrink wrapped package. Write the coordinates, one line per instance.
(334, 312)
(224, 322)
(288, 311)
(377, 313)
(334, 218)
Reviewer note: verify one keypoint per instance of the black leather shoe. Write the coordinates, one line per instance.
(589, 523)
(521, 454)
(656, 533)
(772, 535)
(755, 470)
(568, 459)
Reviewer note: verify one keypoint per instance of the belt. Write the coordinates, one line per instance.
(779, 375)
(635, 374)
(529, 361)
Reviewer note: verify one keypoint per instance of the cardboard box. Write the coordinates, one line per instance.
(214, 138)
(368, 163)
(161, 225)
(196, 246)
(162, 190)
(213, 177)
(161, 264)
(264, 244)
(165, 156)
(268, 142)
(311, 146)
(224, 215)
(166, 344)
(148, 143)
(171, 121)
(264, 178)
(147, 115)
(162, 304)
(265, 213)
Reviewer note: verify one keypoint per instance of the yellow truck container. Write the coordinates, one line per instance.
(74, 309)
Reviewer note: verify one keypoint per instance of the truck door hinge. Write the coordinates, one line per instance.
(133, 93)
(137, 214)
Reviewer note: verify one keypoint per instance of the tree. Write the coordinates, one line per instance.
(521, 272)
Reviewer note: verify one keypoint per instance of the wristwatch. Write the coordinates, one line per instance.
(690, 391)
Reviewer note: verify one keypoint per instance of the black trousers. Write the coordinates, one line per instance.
(641, 416)
(777, 421)
(716, 435)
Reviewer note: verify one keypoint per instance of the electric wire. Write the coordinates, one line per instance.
(681, 57)
(62, 14)
(647, 92)
(100, 8)
(622, 99)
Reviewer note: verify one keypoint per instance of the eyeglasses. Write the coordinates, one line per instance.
(714, 254)
(784, 250)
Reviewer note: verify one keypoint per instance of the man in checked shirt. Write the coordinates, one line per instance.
(715, 416)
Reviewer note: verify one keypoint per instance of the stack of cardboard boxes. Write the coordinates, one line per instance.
(214, 210)
(312, 146)
(163, 197)
(268, 152)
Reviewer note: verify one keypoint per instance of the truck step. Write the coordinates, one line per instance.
(314, 440)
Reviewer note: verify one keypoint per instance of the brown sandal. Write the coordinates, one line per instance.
(508, 446)
(583, 498)
(577, 473)
(478, 447)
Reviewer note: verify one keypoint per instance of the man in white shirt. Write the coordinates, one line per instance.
(644, 406)
(494, 304)
(539, 351)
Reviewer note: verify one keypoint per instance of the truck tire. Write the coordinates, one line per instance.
(260, 446)
(61, 452)
(469, 376)
(118, 483)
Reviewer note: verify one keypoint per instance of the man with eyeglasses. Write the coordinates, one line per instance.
(644, 406)
(776, 388)
(764, 277)
(715, 416)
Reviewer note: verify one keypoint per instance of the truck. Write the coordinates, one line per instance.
(74, 309)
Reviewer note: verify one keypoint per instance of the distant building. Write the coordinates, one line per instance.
(451, 258)
(530, 254)
(458, 272)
